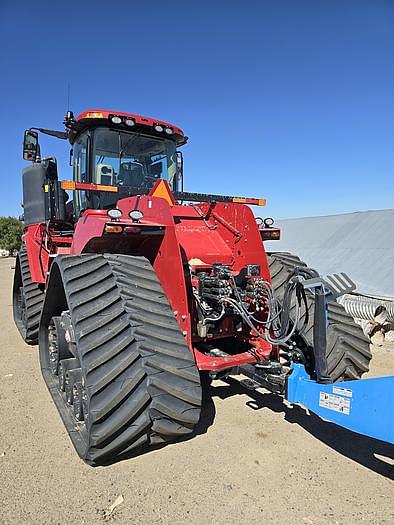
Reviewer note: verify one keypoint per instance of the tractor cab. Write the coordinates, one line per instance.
(109, 150)
(122, 150)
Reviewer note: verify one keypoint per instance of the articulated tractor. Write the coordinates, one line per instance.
(139, 294)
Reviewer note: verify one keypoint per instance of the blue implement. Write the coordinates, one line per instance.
(365, 406)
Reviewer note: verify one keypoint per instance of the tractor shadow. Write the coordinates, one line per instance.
(361, 449)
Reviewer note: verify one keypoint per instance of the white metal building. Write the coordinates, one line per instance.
(360, 244)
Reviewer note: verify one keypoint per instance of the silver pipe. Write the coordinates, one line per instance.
(361, 307)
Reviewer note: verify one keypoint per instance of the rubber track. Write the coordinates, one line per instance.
(143, 385)
(348, 351)
(34, 300)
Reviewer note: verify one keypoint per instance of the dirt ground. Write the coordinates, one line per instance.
(253, 460)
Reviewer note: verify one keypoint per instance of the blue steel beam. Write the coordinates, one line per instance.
(364, 406)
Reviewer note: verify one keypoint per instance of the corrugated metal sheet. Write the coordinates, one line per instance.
(360, 244)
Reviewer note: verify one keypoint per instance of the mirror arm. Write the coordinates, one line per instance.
(53, 133)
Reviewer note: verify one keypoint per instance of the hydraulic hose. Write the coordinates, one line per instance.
(278, 329)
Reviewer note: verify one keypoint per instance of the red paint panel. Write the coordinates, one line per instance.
(220, 232)
(36, 252)
(139, 119)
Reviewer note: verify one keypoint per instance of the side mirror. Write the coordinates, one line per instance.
(31, 148)
(179, 171)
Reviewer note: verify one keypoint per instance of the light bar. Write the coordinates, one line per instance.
(245, 200)
(71, 185)
(270, 234)
(111, 228)
(177, 195)
(94, 114)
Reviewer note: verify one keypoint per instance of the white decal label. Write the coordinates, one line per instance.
(342, 391)
(336, 403)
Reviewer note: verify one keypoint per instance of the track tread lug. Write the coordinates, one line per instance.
(34, 299)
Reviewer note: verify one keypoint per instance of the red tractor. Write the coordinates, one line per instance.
(139, 293)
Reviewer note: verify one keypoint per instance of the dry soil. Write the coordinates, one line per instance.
(253, 460)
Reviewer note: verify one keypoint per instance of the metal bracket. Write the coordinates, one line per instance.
(324, 290)
(275, 382)
(334, 285)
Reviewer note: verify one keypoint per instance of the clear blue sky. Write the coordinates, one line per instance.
(288, 100)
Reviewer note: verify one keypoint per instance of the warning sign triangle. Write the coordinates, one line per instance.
(162, 190)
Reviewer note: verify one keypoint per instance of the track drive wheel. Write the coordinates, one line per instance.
(348, 352)
(27, 300)
(130, 381)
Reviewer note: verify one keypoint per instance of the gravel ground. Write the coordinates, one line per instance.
(253, 460)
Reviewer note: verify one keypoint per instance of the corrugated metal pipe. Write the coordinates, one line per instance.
(374, 315)
(361, 307)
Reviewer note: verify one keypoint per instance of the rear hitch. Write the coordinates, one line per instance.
(270, 375)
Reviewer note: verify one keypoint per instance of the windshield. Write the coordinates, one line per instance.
(131, 159)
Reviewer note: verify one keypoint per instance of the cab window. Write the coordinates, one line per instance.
(80, 173)
(132, 159)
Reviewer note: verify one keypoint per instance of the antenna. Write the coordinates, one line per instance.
(69, 116)
(68, 96)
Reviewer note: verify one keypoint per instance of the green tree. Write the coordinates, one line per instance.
(11, 230)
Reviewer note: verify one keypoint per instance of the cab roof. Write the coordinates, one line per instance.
(120, 120)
